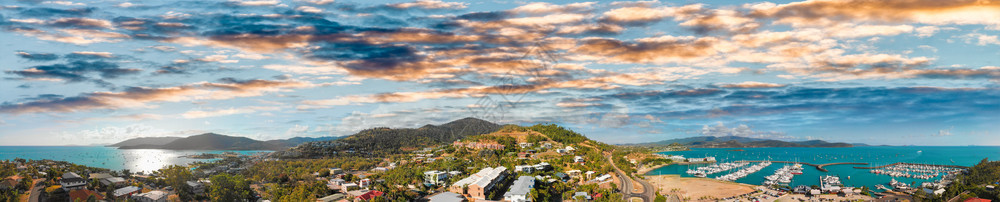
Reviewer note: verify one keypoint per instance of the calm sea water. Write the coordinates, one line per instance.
(136, 160)
(960, 155)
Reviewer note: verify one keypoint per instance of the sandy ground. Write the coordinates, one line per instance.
(697, 188)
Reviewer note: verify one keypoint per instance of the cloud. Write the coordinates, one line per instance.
(428, 4)
(720, 130)
(37, 56)
(981, 39)
(145, 97)
(663, 49)
(634, 15)
(195, 114)
(74, 71)
(752, 84)
(821, 12)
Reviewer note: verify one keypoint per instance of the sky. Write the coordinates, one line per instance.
(907, 72)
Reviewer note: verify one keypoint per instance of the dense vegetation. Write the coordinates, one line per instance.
(559, 134)
(387, 141)
(975, 181)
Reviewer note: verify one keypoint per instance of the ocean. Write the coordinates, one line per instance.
(136, 160)
(874, 156)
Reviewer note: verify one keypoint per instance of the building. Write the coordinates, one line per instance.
(524, 168)
(113, 181)
(706, 159)
(676, 158)
(525, 144)
(83, 194)
(71, 181)
(446, 197)
(519, 190)
(336, 171)
(562, 176)
(578, 159)
(574, 173)
(126, 192)
(153, 196)
(583, 195)
(348, 187)
(435, 177)
(196, 187)
(332, 198)
(479, 145)
(977, 200)
(602, 177)
(364, 183)
(364, 195)
(480, 183)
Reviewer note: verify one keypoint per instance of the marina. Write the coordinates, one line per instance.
(853, 167)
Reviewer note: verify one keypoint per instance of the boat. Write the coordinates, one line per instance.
(700, 175)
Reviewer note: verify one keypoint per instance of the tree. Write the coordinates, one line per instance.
(229, 188)
(177, 177)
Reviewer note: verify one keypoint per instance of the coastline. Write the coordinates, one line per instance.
(644, 170)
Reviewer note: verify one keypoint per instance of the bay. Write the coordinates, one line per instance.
(874, 156)
(136, 160)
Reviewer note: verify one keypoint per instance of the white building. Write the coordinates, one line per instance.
(153, 196)
(71, 181)
(578, 159)
(126, 191)
(519, 190)
(435, 177)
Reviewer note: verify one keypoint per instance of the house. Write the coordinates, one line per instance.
(977, 200)
(583, 195)
(519, 190)
(332, 198)
(83, 194)
(435, 177)
(364, 195)
(547, 145)
(543, 166)
(523, 155)
(100, 176)
(71, 181)
(602, 178)
(525, 144)
(153, 196)
(364, 183)
(113, 181)
(814, 192)
(573, 173)
(336, 171)
(126, 192)
(590, 174)
(480, 183)
(479, 145)
(562, 176)
(578, 159)
(524, 168)
(446, 197)
(196, 187)
(348, 187)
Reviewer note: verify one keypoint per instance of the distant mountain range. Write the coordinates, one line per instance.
(738, 142)
(393, 140)
(212, 141)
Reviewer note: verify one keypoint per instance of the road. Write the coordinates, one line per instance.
(36, 190)
(647, 194)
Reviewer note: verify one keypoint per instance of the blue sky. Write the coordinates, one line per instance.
(894, 72)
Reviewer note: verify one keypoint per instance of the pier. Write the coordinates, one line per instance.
(920, 164)
(818, 166)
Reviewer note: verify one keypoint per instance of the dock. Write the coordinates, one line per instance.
(920, 164)
(818, 166)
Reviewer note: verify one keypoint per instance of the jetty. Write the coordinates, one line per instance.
(818, 166)
(919, 164)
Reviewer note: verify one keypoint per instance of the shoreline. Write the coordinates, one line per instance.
(643, 171)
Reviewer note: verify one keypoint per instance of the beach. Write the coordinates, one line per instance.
(697, 188)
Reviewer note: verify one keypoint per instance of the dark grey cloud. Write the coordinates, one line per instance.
(32, 56)
(75, 71)
(55, 12)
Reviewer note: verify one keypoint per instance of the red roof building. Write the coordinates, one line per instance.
(977, 200)
(370, 195)
(82, 194)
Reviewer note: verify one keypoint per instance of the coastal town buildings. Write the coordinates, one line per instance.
(478, 184)
(72, 181)
(519, 190)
